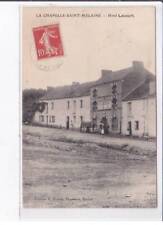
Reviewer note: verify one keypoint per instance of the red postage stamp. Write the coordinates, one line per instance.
(48, 41)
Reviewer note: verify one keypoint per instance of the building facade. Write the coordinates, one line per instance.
(68, 112)
(139, 117)
(106, 106)
(119, 101)
(109, 91)
(139, 111)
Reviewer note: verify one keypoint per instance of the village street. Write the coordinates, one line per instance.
(63, 168)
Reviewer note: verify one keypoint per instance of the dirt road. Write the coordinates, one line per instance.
(69, 169)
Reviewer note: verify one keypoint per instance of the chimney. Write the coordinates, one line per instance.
(105, 73)
(74, 83)
(137, 65)
(49, 89)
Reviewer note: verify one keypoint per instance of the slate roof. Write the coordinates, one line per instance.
(68, 91)
(110, 76)
(140, 92)
(130, 76)
(134, 79)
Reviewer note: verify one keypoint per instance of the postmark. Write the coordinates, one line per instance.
(48, 64)
(48, 41)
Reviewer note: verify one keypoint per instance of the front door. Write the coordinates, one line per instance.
(68, 122)
(130, 128)
(105, 123)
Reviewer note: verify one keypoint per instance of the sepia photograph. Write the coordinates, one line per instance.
(89, 107)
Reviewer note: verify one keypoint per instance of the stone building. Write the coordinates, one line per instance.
(100, 102)
(109, 91)
(139, 111)
(65, 106)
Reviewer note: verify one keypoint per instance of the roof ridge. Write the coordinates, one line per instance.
(115, 71)
(71, 85)
(83, 89)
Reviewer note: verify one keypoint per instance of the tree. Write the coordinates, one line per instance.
(30, 103)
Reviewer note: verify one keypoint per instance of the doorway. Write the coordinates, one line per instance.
(130, 128)
(104, 121)
(68, 122)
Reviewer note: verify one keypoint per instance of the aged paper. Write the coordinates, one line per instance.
(89, 107)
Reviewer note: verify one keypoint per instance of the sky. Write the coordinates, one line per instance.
(90, 43)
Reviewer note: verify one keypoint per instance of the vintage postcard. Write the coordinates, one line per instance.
(89, 114)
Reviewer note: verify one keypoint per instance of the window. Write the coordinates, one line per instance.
(49, 119)
(129, 107)
(129, 127)
(94, 106)
(114, 100)
(81, 119)
(109, 104)
(94, 93)
(136, 125)
(46, 107)
(114, 123)
(52, 105)
(53, 119)
(74, 119)
(68, 104)
(105, 105)
(74, 104)
(100, 105)
(114, 84)
(41, 118)
(114, 88)
(81, 103)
